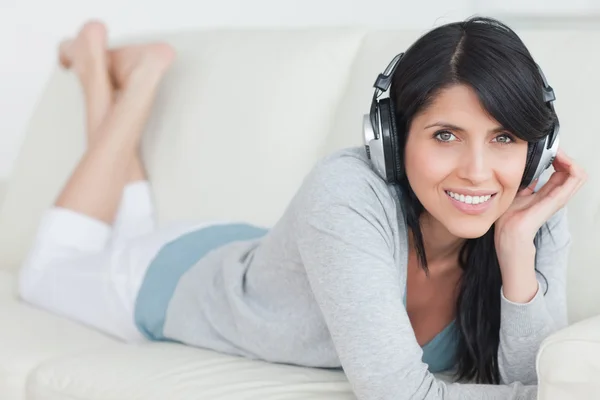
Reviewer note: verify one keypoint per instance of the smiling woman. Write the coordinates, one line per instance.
(475, 126)
(429, 266)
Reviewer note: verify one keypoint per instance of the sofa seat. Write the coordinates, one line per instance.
(55, 358)
(30, 337)
(168, 371)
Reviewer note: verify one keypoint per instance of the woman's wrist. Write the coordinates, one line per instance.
(520, 289)
(517, 266)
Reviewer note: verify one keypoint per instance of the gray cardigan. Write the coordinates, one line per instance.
(324, 287)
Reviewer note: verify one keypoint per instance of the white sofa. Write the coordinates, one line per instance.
(241, 117)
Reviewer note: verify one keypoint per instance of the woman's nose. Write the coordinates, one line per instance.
(474, 165)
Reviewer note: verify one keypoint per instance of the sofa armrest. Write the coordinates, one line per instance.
(568, 362)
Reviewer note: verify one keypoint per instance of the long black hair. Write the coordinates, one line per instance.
(489, 57)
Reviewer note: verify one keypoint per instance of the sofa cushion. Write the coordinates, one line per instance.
(568, 362)
(169, 371)
(29, 336)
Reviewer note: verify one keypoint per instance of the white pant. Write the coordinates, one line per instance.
(86, 270)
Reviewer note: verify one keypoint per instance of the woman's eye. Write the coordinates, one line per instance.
(504, 139)
(445, 136)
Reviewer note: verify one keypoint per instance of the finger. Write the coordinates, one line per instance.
(553, 199)
(566, 180)
(562, 162)
(543, 209)
(552, 196)
(556, 179)
(529, 190)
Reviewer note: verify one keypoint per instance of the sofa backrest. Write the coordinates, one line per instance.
(239, 120)
(243, 115)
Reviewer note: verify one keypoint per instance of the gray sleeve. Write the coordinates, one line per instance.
(345, 244)
(523, 327)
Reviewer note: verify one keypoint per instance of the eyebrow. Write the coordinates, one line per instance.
(446, 125)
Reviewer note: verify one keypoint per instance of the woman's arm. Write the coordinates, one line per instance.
(525, 325)
(528, 314)
(346, 246)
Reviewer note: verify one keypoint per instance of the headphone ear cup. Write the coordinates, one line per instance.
(534, 155)
(389, 134)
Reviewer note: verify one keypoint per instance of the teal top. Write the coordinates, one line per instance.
(440, 352)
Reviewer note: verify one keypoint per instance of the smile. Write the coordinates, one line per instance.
(470, 204)
(469, 199)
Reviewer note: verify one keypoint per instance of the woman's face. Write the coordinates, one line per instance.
(463, 167)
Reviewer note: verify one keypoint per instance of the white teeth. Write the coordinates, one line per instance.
(469, 199)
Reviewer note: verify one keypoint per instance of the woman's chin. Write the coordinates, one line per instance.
(468, 230)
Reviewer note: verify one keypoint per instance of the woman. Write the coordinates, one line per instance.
(456, 267)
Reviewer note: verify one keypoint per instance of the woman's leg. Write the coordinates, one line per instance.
(70, 270)
(120, 65)
(95, 187)
(101, 81)
(135, 215)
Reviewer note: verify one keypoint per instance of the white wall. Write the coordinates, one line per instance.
(31, 29)
(542, 7)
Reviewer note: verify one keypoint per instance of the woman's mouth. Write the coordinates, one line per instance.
(470, 204)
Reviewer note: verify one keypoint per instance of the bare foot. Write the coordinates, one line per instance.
(145, 61)
(86, 56)
(87, 50)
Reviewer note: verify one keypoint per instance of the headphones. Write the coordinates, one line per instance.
(381, 134)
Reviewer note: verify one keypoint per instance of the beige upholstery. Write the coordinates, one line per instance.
(241, 117)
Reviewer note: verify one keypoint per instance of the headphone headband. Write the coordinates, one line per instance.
(549, 98)
(384, 80)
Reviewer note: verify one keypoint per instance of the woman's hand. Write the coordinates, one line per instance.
(517, 227)
(530, 210)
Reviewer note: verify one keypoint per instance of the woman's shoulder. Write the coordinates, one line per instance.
(343, 196)
(346, 177)
(346, 166)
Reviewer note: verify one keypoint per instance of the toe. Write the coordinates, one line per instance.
(65, 55)
(94, 28)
